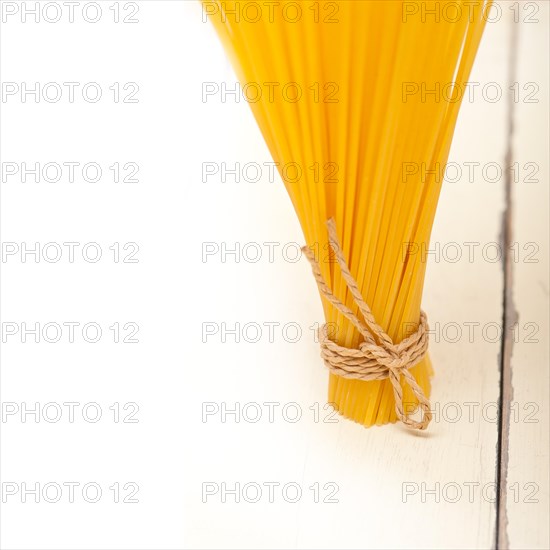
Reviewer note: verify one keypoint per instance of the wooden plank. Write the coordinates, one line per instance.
(525, 507)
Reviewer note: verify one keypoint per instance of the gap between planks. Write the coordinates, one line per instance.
(509, 313)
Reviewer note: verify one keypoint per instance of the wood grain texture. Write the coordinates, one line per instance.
(527, 485)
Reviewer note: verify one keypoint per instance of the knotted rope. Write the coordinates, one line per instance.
(378, 357)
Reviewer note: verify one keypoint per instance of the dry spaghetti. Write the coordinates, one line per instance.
(350, 97)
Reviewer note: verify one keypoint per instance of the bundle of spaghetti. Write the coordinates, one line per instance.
(357, 101)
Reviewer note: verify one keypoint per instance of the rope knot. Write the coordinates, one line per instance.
(387, 357)
(377, 357)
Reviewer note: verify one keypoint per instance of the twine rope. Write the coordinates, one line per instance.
(377, 357)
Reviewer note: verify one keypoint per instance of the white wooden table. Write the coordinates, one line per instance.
(234, 447)
(397, 490)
